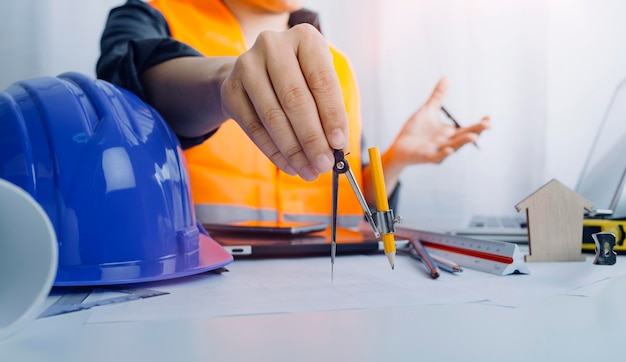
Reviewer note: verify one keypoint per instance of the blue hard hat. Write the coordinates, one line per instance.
(111, 176)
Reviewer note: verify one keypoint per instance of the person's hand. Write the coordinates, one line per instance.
(425, 138)
(285, 94)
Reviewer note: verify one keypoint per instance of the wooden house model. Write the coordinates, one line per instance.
(555, 223)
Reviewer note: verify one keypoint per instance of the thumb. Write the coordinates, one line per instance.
(436, 97)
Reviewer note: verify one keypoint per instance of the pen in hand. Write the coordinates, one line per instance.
(456, 124)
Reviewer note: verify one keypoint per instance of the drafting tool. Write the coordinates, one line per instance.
(343, 167)
(382, 205)
(73, 302)
(386, 220)
(490, 256)
(456, 124)
(592, 226)
(605, 242)
(417, 246)
(443, 264)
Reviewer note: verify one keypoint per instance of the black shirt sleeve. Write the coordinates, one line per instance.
(136, 37)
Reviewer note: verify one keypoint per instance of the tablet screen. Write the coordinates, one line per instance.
(266, 226)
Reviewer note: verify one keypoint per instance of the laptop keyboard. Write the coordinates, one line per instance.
(492, 221)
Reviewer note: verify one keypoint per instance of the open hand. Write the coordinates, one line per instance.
(425, 138)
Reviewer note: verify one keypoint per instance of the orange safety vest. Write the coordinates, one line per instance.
(230, 178)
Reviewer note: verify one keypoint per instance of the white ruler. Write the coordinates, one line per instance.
(490, 256)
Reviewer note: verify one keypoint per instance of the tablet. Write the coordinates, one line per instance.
(257, 227)
(318, 243)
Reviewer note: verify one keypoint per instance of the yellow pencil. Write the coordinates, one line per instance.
(382, 204)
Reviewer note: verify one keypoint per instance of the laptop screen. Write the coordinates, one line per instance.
(602, 178)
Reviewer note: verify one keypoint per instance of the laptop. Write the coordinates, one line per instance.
(601, 181)
(313, 243)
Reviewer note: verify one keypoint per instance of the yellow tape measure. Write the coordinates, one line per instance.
(592, 226)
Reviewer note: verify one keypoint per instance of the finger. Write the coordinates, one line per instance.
(461, 139)
(298, 104)
(441, 154)
(485, 123)
(240, 108)
(325, 118)
(280, 127)
(476, 128)
(317, 114)
(436, 97)
(321, 76)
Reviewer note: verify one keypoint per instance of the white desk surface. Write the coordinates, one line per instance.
(561, 311)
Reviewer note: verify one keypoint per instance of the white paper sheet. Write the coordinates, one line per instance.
(253, 287)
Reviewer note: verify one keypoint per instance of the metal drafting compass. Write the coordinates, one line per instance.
(385, 219)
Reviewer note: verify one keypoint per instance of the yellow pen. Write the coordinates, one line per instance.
(382, 205)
